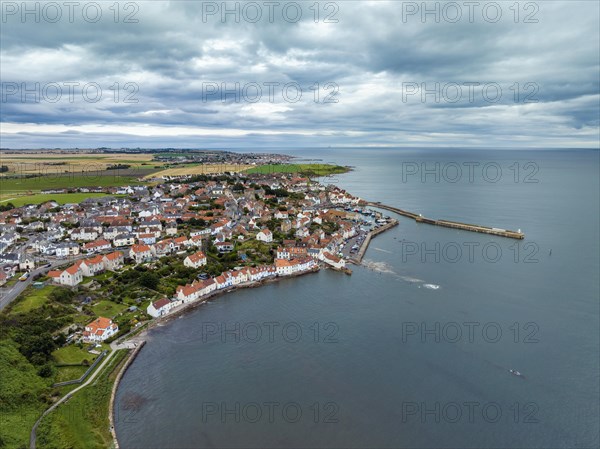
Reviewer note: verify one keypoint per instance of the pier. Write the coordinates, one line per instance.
(357, 259)
(451, 224)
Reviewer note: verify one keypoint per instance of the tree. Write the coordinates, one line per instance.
(149, 280)
(46, 370)
(37, 348)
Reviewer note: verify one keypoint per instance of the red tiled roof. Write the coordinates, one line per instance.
(161, 303)
(197, 256)
(94, 260)
(99, 323)
(114, 255)
(73, 269)
(140, 248)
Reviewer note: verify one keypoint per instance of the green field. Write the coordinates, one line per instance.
(64, 181)
(72, 354)
(108, 309)
(82, 422)
(31, 298)
(65, 373)
(300, 169)
(60, 198)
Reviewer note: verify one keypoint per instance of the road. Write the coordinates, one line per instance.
(8, 296)
(356, 240)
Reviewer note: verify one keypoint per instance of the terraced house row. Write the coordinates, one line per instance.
(200, 289)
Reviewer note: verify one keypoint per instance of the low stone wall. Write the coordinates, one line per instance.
(83, 377)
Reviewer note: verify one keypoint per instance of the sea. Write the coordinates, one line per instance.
(441, 339)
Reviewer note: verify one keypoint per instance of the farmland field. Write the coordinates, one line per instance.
(40, 198)
(21, 186)
(201, 169)
(31, 172)
(75, 162)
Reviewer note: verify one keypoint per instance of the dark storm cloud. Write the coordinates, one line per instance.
(373, 54)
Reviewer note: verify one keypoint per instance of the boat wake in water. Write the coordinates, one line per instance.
(383, 267)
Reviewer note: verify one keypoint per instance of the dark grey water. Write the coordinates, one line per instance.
(386, 359)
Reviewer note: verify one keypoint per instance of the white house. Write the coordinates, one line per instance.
(187, 293)
(141, 253)
(96, 246)
(26, 263)
(67, 249)
(261, 272)
(196, 240)
(181, 243)
(286, 267)
(238, 277)
(197, 289)
(333, 260)
(200, 232)
(208, 285)
(223, 281)
(99, 330)
(265, 235)
(195, 260)
(160, 307)
(87, 234)
(124, 240)
(114, 260)
(164, 247)
(92, 266)
(147, 238)
(70, 277)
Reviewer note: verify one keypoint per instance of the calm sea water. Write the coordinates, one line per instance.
(414, 349)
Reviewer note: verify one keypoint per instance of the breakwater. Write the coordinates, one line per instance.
(451, 224)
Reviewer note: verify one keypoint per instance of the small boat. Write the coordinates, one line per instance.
(514, 372)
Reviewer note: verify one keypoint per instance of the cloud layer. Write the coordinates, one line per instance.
(369, 73)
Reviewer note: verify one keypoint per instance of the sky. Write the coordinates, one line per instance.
(191, 74)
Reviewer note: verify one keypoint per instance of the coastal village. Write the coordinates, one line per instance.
(86, 270)
(180, 242)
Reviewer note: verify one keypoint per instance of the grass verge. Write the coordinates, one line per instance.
(299, 169)
(82, 422)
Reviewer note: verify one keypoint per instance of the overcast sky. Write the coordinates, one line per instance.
(527, 78)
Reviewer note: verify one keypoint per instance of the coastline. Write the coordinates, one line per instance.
(177, 312)
(180, 310)
(140, 338)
